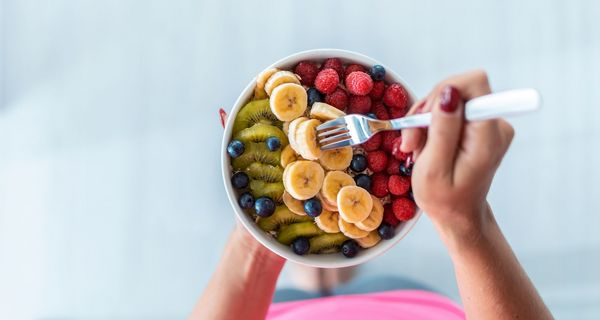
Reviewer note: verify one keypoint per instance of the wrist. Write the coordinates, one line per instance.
(252, 252)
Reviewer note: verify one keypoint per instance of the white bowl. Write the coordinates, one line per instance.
(335, 260)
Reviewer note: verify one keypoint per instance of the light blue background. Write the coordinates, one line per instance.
(111, 202)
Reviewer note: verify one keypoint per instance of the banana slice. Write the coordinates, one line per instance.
(286, 127)
(336, 159)
(303, 179)
(350, 230)
(370, 240)
(326, 204)
(288, 155)
(292, 132)
(333, 182)
(328, 221)
(324, 111)
(354, 204)
(294, 205)
(374, 219)
(306, 139)
(278, 78)
(262, 77)
(288, 101)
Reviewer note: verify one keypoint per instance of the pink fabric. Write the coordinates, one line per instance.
(397, 305)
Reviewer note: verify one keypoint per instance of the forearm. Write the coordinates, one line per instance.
(243, 284)
(491, 281)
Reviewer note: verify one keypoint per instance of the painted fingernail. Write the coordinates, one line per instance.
(449, 99)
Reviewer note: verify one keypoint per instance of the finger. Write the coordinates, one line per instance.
(444, 132)
(412, 138)
(471, 85)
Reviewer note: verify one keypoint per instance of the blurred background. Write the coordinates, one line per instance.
(111, 201)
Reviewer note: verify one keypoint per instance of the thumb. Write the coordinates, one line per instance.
(443, 135)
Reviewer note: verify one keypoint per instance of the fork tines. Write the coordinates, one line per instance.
(334, 134)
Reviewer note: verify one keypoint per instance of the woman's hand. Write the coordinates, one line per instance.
(456, 160)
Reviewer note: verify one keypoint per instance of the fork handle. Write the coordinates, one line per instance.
(486, 107)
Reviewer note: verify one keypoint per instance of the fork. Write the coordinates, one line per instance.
(355, 129)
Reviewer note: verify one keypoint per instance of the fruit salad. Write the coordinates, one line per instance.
(321, 202)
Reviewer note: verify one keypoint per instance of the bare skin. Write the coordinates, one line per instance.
(455, 165)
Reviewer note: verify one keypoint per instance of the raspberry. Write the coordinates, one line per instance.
(387, 143)
(359, 104)
(373, 143)
(396, 150)
(327, 81)
(377, 161)
(380, 111)
(338, 99)
(397, 113)
(379, 185)
(395, 96)
(393, 166)
(377, 91)
(404, 208)
(335, 64)
(359, 83)
(353, 67)
(389, 216)
(398, 185)
(307, 71)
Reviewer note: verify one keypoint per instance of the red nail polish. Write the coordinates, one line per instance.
(449, 99)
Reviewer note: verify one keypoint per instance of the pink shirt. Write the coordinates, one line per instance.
(397, 305)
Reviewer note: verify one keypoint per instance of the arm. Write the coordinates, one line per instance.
(242, 286)
(455, 165)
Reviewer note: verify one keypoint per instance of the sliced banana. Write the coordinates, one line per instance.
(328, 221)
(324, 111)
(278, 78)
(354, 204)
(262, 77)
(292, 132)
(259, 94)
(370, 240)
(286, 127)
(336, 159)
(326, 204)
(350, 230)
(288, 101)
(303, 179)
(333, 182)
(374, 219)
(306, 139)
(296, 206)
(288, 155)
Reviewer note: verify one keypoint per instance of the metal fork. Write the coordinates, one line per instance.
(355, 129)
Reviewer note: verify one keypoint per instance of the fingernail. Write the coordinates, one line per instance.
(449, 99)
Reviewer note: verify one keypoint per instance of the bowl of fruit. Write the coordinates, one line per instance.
(329, 209)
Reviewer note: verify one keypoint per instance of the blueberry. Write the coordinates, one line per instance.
(264, 207)
(404, 170)
(235, 148)
(240, 180)
(300, 246)
(358, 163)
(364, 181)
(314, 96)
(273, 143)
(313, 207)
(377, 72)
(246, 200)
(386, 231)
(349, 248)
(371, 115)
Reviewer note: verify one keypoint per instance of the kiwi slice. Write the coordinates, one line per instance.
(273, 190)
(282, 217)
(256, 152)
(258, 111)
(260, 132)
(327, 243)
(265, 172)
(301, 229)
